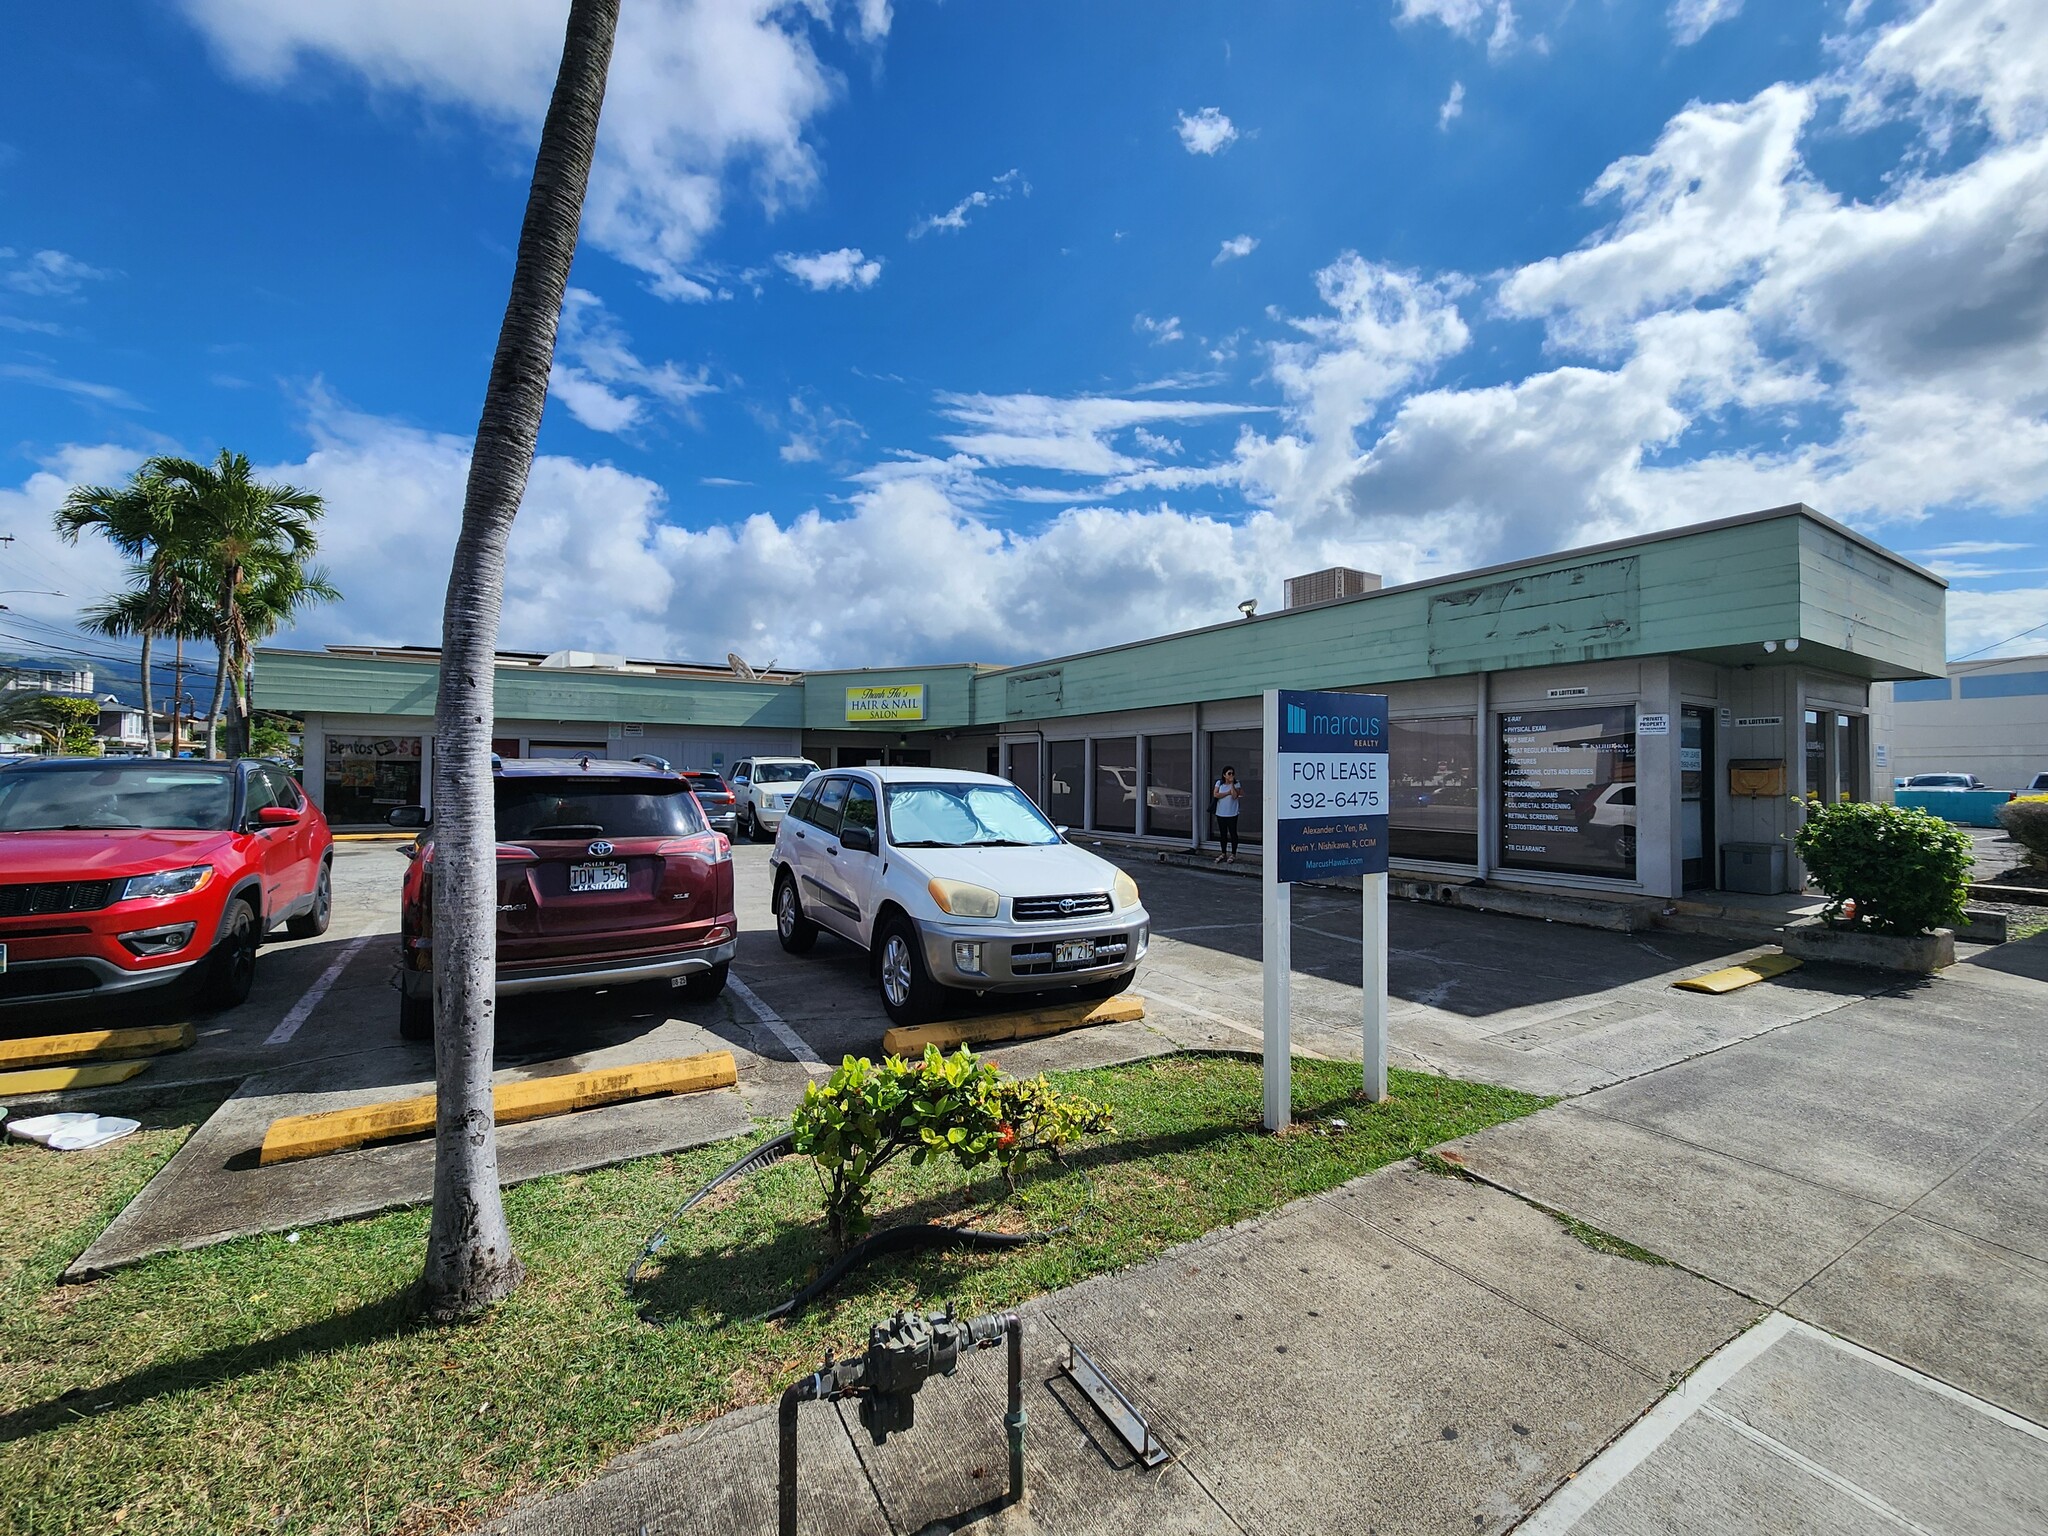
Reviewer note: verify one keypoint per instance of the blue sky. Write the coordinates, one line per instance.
(977, 330)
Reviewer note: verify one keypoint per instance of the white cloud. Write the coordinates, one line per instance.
(599, 379)
(699, 90)
(43, 377)
(1453, 107)
(1066, 433)
(846, 267)
(1691, 20)
(1967, 547)
(1991, 624)
(1159, 332)
(1988, 55)
(955, 218)
(45, 274)
(1206, 132)
(1153, 442)
(1465, 18)
(1233, 249)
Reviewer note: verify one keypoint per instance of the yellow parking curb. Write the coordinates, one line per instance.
(1743, 975)
(50, 1079)
(333, 1130)
(103, 1044)
(911, 1039)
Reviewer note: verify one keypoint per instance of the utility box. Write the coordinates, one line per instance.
(1755, 869)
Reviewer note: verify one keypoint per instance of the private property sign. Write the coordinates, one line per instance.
(1328, 778)
(901, 701)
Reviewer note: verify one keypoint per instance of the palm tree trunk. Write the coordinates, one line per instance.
(148, 711)
(220, 683)
(470, 1263)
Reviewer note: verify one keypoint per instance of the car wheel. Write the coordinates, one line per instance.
(1625, 844)
(415, 1016)
(746, 826)
(310, 925)
(705, 985)
(797, 932)
(909, 995)
(231, 968)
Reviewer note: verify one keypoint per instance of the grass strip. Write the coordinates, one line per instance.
(279, 1386)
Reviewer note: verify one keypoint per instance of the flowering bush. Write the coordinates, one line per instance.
(958, 1106)
(1903, 871)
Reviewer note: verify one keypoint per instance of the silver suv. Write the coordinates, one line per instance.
(952, 882)
(764, 788)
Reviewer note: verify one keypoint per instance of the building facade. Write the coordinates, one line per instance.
(1989, 718)
(1612, 717)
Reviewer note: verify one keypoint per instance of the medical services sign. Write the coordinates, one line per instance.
(1328, 778)
(903, 701)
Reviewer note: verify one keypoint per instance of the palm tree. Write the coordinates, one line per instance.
(276, 593)
(470, 1263)
(157, 603)
(28, 712)
(141, 520)
(238, 527)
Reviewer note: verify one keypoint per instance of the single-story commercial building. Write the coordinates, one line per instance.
(1989, 718)
(1611, 717)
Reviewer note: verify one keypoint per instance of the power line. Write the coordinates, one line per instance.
(1994, 645)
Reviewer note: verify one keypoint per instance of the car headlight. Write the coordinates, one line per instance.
(1126, 891)
(167, 882)
(956, 898)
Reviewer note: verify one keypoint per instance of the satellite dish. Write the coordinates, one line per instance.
(740, 667)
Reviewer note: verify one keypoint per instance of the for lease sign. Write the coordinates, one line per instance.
(1328, 777)
(898, 701)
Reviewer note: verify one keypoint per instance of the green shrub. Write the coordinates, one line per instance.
(2026, 822)
(1904, 870)
(958, 1106)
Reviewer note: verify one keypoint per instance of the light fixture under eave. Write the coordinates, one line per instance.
(1248, 607)
(1770, 645)
(1792, 644)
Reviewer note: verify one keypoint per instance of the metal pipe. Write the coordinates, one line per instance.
(1015, 1420)
(803, 1391)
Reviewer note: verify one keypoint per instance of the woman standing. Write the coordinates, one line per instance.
(1228, 796)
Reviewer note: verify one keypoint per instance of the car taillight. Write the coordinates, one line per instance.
(711, 847)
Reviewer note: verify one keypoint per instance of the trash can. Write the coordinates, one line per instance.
(1755, 869)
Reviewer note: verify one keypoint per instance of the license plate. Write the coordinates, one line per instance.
(1073, 952)
(598, 877)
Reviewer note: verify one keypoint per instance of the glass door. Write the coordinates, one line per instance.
(1696, 796)
(1022, 768)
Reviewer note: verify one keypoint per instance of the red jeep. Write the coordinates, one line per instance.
(608, 875)
(122, 874)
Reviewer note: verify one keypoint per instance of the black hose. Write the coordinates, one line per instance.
(771, 1151)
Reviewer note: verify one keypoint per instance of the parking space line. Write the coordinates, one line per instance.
(303, 1008)
(1227, 1022)
(772, 1021)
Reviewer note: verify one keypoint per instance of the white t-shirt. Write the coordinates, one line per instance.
(1229, 805)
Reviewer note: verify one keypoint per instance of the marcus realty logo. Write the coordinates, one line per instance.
(1301, 723)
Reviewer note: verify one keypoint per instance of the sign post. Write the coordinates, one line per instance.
(1325, 815)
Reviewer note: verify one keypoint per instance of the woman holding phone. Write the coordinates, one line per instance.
(1228, 796)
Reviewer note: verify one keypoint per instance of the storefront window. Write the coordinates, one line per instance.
(1568, 791)
(367, 777)
(1066, 782)
(1246, 752)
(1170, 785)
(1434, 793)
(1116, 784)
(1024, 769)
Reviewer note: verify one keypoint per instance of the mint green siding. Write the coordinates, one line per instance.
(948, 696)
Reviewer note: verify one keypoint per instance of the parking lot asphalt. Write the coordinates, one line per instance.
(1527, 1004)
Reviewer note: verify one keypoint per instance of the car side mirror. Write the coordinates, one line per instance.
(408, 816)
(858, 839)
(278, 816)
(1062, 831)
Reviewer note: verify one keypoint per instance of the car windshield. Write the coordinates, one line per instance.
(144, 794)
(1938, 781)
(965, 816)
(783, 773)
(540, 809)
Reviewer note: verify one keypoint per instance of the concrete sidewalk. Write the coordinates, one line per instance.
(1409, 1352)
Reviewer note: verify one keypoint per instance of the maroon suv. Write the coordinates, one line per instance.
(608, 875)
